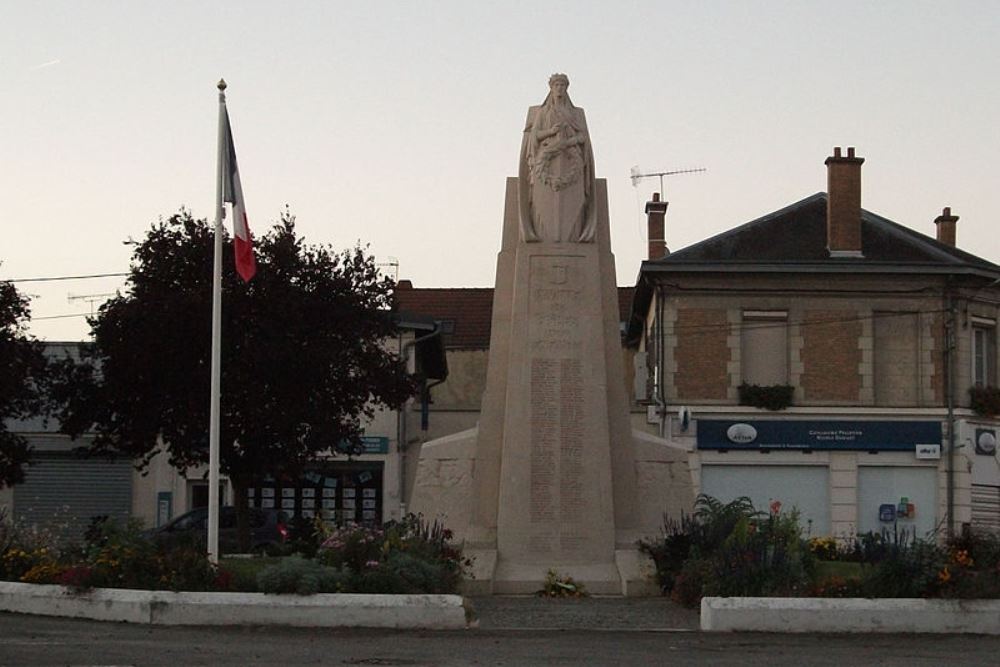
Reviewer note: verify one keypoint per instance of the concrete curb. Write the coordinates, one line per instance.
(889, 615)
(438, 612)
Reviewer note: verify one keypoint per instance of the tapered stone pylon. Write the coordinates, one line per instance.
(553, 477)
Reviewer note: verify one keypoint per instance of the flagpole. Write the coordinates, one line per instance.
(213, 436)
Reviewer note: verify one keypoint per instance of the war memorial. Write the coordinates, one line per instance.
(553, 477)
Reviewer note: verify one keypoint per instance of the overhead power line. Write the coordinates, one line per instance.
(55, 278)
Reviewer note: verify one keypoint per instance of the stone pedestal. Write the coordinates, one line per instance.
(553, 477)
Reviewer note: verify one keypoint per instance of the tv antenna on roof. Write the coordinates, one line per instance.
(636, 175)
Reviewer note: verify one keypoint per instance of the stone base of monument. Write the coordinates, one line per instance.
(443, 491)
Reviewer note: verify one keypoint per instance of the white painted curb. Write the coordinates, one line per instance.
(166, 608)
(889, 615)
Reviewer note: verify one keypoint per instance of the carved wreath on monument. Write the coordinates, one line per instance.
(556, 173)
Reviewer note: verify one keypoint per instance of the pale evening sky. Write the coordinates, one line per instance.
(395, 123)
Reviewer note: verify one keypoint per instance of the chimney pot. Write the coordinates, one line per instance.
(850, 151)
(836, 151)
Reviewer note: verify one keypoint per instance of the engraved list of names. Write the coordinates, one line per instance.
(556, 390)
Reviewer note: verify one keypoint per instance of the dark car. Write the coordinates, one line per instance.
(268, 528)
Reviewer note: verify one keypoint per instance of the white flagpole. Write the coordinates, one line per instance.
(213, 436)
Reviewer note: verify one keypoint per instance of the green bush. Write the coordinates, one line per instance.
(296, 575)
(905, 567)
(405, 556)
(732, 549)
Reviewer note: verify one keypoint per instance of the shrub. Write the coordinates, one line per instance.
(907, 568)
(731, 549)
(351, 547)
(690, 582)
(296, 575)
(405, 556)
(671, 551)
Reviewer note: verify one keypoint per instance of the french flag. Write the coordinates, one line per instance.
(246, 265)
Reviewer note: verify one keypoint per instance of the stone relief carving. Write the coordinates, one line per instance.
(556, 173)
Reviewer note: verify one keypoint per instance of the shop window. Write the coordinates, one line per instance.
(897, 379)
(764, 347)
(983, 353)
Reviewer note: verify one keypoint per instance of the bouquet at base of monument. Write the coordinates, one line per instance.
(561, 587)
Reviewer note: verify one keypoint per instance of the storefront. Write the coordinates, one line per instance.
(338, 491)
(842, 476)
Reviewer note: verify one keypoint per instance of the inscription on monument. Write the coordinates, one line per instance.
(557, 415)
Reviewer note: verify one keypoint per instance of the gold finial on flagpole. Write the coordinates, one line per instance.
(222, 84)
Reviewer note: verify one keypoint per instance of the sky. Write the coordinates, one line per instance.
(394, 124)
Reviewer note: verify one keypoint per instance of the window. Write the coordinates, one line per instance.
(897, 361)
(764, 347)
(983, 352)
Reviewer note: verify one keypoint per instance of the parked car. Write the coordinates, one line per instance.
(268, 528)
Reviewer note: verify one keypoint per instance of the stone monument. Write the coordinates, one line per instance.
(553, 477)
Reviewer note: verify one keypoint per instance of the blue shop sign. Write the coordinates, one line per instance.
(374, 444)
(817, 435)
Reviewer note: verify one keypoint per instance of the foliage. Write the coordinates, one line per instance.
(240, 574)
(24, 547)
(557, 586)
(112, 555)
(985, 401)
(22, 375)
(671, 551)
(825, 547)
(903, 566)
(769, 397)
(405, 556)
(731, 549)
(299, 576)
(761, 557)
(303, 358)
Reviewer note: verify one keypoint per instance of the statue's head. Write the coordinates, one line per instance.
(559, 82)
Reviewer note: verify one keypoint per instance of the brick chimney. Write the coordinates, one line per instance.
(656, 211)
(946, 227)
(843, 204)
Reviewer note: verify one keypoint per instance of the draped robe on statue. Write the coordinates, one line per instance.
(556, 175)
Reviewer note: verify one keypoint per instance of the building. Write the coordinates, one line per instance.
(863, 336)
(64, 488)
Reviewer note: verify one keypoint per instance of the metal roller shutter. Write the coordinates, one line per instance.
(986, 507)
(63, 492)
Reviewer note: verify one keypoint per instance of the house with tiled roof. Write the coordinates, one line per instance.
(827, 358)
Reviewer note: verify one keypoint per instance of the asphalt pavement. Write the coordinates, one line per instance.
(512, 632)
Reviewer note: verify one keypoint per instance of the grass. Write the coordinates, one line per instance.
(244, 571)
(835, 568)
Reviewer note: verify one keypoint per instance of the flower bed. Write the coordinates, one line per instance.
(733, 549)
(408, 556)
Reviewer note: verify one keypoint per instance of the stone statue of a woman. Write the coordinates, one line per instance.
(556, 174)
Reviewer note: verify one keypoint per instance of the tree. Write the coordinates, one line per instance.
(22, 372)
(304, 361)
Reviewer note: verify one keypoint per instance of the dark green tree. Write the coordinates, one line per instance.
(304, 361)
(22, 373)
